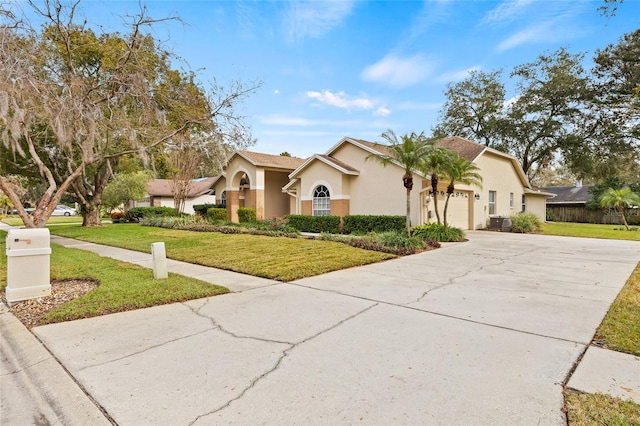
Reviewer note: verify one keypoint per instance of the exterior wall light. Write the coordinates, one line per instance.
(476, 196)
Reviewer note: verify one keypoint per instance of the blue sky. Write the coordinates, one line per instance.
(332, 69)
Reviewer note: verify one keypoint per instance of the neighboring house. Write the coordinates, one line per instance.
(505, 187)
(160, 194)
(349, 180)
(569, 205)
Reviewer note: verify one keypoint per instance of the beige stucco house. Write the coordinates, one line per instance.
(349, 180)
(255, 180)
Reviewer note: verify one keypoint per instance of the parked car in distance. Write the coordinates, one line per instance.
(62, 210)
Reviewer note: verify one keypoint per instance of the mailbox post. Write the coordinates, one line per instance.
(28, 263)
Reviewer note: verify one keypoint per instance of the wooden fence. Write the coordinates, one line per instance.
(583, 215)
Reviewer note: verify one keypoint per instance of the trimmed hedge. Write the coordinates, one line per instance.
(216, 214)
(202, 209)
(306, 223)
(246, 214)
(363, 224)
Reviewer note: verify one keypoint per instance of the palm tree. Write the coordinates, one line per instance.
(433, 165)
(459, 170)
(409, 152)
(619, 199)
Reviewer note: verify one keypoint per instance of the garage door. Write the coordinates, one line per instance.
(458, 209)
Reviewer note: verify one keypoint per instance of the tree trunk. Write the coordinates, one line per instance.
(446, 206)
(91, 215)
(408, 222)
(624, 219)
(434, 193)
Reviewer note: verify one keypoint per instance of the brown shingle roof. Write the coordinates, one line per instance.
(277, 161)
(338, 163)
(162, 187)
(464, 147)
(382, 149)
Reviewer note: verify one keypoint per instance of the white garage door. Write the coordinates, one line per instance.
(458, 209)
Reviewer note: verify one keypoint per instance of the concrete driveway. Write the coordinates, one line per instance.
(483, 332)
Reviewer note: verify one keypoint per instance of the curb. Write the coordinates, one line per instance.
(36, 389)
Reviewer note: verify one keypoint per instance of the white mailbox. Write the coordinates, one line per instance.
(28, 264)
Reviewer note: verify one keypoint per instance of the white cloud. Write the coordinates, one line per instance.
(543, 32)
(341, 100)
(454, 76)
(506, 11)
(382, 112)
(313, 19)
(397, 71)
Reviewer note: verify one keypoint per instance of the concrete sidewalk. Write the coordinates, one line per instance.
(484, 332)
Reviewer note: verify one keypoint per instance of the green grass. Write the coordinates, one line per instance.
(597, 409)
(590, 230)
(283, 259)
(620, 329)
(122, 286)
(16, 221)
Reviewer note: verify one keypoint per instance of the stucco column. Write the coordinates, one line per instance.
(257, 202)
(233, 202)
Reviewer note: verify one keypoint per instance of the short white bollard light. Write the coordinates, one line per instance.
(28, 263)
(159, 261)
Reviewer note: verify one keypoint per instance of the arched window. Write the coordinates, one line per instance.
(223, 198)
(321, 201)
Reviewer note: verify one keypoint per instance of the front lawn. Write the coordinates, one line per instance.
(590, 230)
(278, 258)
(620, 329)
(584, 409)
(122, 286)
(53, 220)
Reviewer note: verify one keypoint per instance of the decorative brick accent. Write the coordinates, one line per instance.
(339, 207)
(306, 207)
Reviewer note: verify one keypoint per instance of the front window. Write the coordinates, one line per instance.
(223, 198)
(492, 202)
(524, 203)
(321, 201)
(511, 200)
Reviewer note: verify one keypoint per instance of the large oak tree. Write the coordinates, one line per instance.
(75, 100)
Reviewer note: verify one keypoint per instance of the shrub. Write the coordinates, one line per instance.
(306, 223)
(118, 217)
(280, 224)
(202, 209)
(216, 214)
(398, 240)
(525, 223)
(172, 222)
(436, 232)
(246, 214)
(363, 224)
(137, 213)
